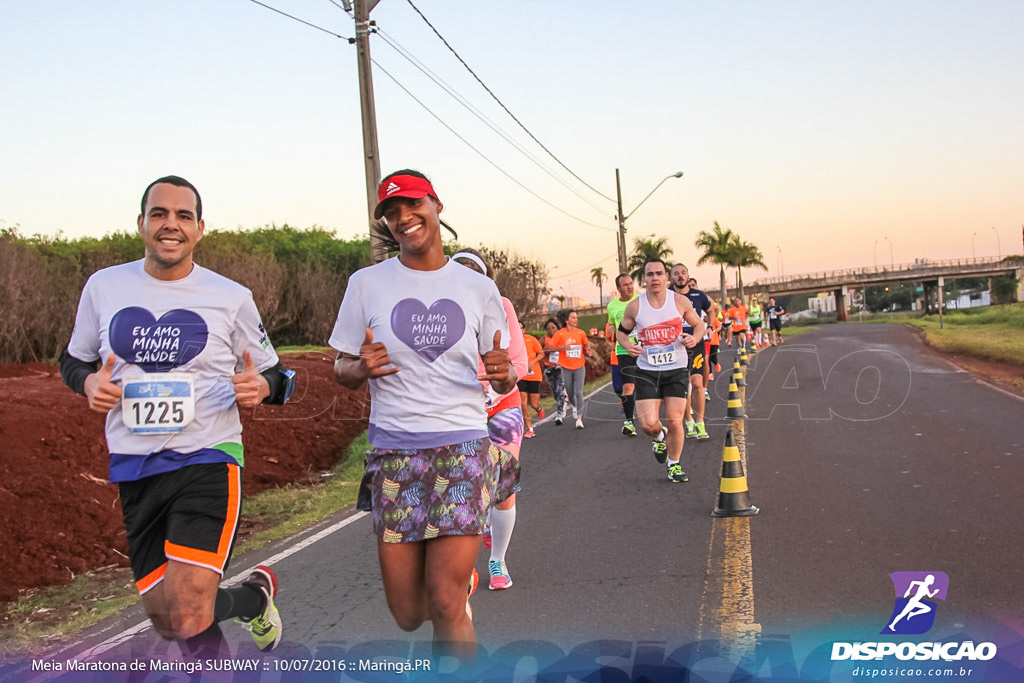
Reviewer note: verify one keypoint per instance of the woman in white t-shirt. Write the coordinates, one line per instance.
(416, 326)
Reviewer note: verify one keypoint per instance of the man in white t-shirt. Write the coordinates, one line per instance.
(169, 351)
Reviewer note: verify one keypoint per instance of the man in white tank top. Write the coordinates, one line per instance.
(662, 372)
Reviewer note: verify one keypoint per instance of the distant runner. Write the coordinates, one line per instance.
(625, 362)
(775, 313)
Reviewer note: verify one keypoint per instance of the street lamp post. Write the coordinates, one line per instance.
(622, 218)
(999, 248)
(892, 261)
(780, 260)
(973, 255)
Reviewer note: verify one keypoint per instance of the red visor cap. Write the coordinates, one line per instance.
(409, 186)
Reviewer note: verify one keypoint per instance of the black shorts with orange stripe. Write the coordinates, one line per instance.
(189, 515)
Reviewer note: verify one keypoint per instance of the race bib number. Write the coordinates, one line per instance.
(658, 356)
(553, 357)
(158, 403)
(574, 351)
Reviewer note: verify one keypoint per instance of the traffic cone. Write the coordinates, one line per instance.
(735, 404)
(743, 356)
(737, 374)
(733, 495)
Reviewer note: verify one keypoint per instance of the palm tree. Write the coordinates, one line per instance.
(717, 246)
(598, 276)
(744, 254)
(643, 251)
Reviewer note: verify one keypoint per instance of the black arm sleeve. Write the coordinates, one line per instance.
(281, 383)
(74, 371)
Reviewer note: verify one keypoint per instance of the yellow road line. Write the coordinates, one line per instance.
(727, 604)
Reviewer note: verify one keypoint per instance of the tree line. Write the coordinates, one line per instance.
(719, 246)
(297, 278)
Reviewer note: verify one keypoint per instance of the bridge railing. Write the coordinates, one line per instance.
(900, 270)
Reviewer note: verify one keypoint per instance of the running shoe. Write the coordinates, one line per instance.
(718, 367)
(474, 581)
(691, 431)
(711, 376)
(702, 432)
(660, 448)
(707, 395)
(529, 434)
(500, 580)
(676, 474)
(628, 429)
(540, 413)
(558, 418)
(265, 628)
(579, 423)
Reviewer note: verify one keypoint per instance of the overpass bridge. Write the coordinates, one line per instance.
(931, 274)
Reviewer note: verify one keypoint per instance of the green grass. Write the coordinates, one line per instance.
(302, 349)
(987, 332)
(56, 613)
(289, 509)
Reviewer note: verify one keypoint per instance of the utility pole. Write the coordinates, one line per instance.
(369, 114)
(622, 226)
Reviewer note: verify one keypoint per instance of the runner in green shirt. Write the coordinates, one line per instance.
(622, 373)
(755, 314)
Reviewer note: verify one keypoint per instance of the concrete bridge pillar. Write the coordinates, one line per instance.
(842, 296)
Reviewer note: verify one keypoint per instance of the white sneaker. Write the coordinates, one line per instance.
(579, 423)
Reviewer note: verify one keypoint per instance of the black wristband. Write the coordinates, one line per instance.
(623, 330)
(74, 371)
(281, 382)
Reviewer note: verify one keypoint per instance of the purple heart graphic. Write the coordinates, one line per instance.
(428, 331)
(157, 345)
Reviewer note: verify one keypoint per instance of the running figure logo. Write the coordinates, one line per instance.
(914, 612)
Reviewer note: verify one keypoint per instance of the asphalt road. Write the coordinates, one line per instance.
(866, 454)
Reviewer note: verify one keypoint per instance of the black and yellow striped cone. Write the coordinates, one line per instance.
(735, 411)
(733, 496)
(753, 351)
(743, 356)
(737, 374)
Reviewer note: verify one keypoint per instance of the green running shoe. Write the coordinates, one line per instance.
(660, 448)
(691, 431)
(702, 432)
(676, 474)
(265, 628)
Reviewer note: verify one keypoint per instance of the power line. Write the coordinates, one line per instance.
(495, 97)
(441, 121)
(301, 21)
(395, 45)
(481, 154)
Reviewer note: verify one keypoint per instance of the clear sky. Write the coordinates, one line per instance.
(815, 130)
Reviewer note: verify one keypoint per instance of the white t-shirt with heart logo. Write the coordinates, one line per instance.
(435, 325)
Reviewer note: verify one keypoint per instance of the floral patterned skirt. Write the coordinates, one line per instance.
(446, 491)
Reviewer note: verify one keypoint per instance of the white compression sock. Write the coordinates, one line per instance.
(502, 524)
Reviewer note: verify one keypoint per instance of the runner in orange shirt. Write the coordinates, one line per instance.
(573, 347)
(739, 321)
(529, 386)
